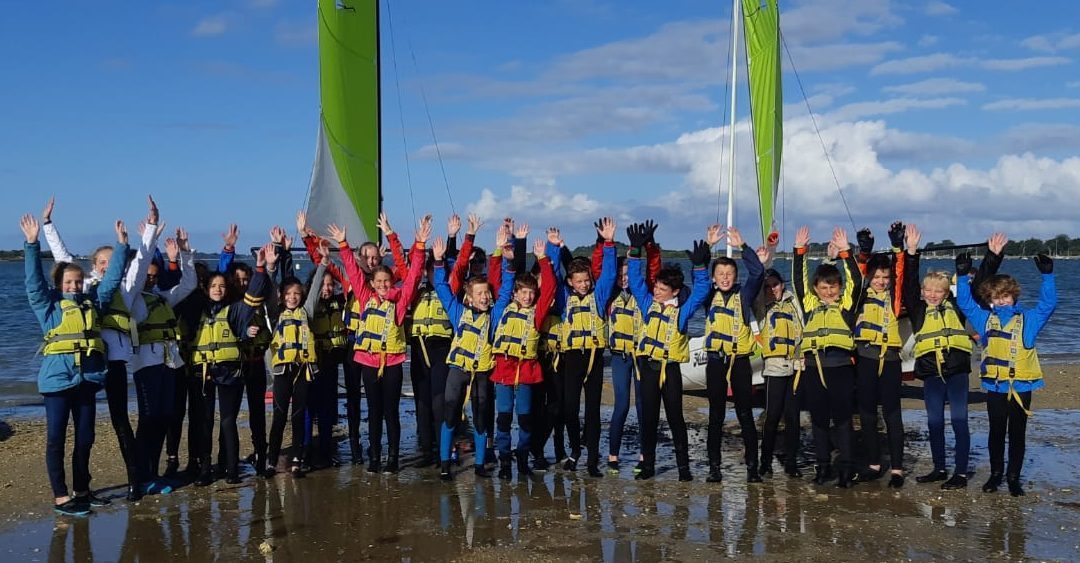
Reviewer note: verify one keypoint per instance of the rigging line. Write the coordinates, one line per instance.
(431, 122)
(401, 111)
(817, 130)
(731, 127)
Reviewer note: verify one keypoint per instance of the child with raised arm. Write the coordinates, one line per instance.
(519, 314)
(729, 342)
(1010, 368)
(471, 361)
(827, 346)
(380, 342)
(663, 344)
(74, 366)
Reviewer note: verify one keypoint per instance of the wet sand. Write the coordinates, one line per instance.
(349, 514)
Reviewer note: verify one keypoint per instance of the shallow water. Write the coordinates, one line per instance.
(348, 513)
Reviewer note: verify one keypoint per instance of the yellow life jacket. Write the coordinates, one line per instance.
(725, 330)
(429, 318)
(216, 343)
(826, 328)
(516, 334)
(659, 337)
(471, 347)
(379, 333)
(328, 325)
(551, 334)
(353, 324)
(160, 324)
(877, 322)
(293, 342)
(254, 347)
(79, 331)
(781, 330)
(583, 326)
(941, 330)
(624, 322)
(1005, 356)
(117, 316)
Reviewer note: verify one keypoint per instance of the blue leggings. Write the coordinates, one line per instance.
(510, 399)
(76, 404)
(935, 392)
(622, 376)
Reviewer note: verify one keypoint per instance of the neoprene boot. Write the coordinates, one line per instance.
(444, 472)
(1015, 489)
(715, 475)
(504, 467)
(822, 474)
(172, 466)
(685, 475)
(992, 484)
(392, 465)
(375, 461)
(523, 465)
(932, 477)
(845, 479)
(752, 475)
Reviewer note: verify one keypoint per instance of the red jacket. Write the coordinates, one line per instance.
(510, 370)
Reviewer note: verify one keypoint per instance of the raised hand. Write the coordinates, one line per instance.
(896, 234)
(384, 224)
(912, 236)
(424, 231)
(700, 255)
(121, 232)
(324, 251)
(182, 239)
(963, 264)
(277, 234)
(271, 256)
(508, 252)
(230, 236)
(453, 225)
(764, 254)
(840, 239)
(260, 255)
(474, 224)
(301, 222)
(650, 231)
(172, 249)
(152, 217)
(522, 231)
(802, 237)
(636, 235)
(607, 229)
(438, 249)
(599, 224)
(538, 248)
(30, 228)
(1044, 263)
(554, 236)
(714, 234)
(734, 237)
(997, 242)
(866, 240)
(501, 236)
(287, 242)
(336, 233)
(833, 251)
(46, 214)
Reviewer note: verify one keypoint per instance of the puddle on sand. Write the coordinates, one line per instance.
(349, 514)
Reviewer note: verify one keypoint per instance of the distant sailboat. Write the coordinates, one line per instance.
(346, 180)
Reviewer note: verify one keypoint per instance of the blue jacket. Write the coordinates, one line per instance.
(602, 287)
(1034, 320)
(552, 252)
(454, 307)
(58, 371)
(687, 305)
(506, 292)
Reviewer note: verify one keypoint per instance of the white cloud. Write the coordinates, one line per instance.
(927, 40)
(936, 86)
(1042, 137)
(540, 204)
(1032, 104)
(1052, 42)
(940, 61)
(858, 110)
(211, 26)
(938, 8)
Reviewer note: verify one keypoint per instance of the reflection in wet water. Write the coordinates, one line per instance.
(348, 514)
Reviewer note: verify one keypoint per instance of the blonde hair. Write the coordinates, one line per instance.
(939, 279)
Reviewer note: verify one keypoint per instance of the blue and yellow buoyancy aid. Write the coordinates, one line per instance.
(660, 339)
(583, 327)
(215, 342)
(825, 328)
(624, 323)
(471, 348)
(1006, 357)
(429, 318)
(78, 333)
(293, 342)
(726, 332)
(781, 331)
(328, 324)
(942, 330)
(116, 315)
(515, 334)
(379, 332)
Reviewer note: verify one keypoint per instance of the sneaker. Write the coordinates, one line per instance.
(1015, 489)
(645, 473)
(444, 472)
(156, 487)
(957, 481)
(570, 464)
(613, 467)
(94, 500)
(933, 476)
(541, 464)
(594, 471)
(172, 467)
(684, 474)
(73, 507)
(896, 481)
(993, 483)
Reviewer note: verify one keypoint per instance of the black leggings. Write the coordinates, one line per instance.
(576, 375)
(254, 373)
(187, 396)
(229, 399)
(383, 404)
(429, 386)
(780, 402)
(116, 394)
(547, 411)
(742, 388)
(353, 393)
(457, 382)
(870, 391)
(1007, 418)
(651, 394)
(831, 404)
(289, 387)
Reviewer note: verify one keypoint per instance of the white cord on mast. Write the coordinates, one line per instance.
(734, 96)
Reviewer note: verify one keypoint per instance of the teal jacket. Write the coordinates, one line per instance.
(58, 372)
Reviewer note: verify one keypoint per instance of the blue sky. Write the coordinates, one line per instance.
(959, 116)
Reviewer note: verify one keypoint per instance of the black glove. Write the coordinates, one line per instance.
(599, 224)
(650, 231)
(636, 234)
(896, 234)
(1044, 263)
(700, 255)
(963, 264)
(866, 241)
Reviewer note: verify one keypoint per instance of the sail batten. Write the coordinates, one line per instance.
(346, 180)
(761, 21)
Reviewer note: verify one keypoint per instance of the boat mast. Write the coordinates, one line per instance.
(735, 24)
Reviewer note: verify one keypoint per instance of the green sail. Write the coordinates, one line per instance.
(761, 20)
(346, 181)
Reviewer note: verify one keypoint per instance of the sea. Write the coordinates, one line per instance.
(20, 359)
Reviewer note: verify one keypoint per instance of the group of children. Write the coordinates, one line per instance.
(523, 339)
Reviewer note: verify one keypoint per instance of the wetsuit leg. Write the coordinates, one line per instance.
(742, 388)
(776, 391)
(255, 389)
(650, 411)
(373, 391)
(889, 384)
(958, 416)
(997, 411)
(208, 392)
(196, 419)
(573, 375)
(867, 396)
(482, 402)
(391, 405)
(437, 351)
(673, 410)
(353, 382)
(841, 381)
(300, 394)
(621, 374)
(420, 377)
(179, 410)
(594, 388)
(283, 392)
(1017, 434)
(792, 425)
(934, 393)
(230, 397)
(716, 388)
(58, 407)
(818, 402)
(116, 394)
(456, 383)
